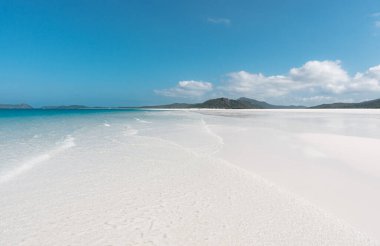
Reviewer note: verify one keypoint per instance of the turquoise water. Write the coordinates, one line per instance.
(22, 113)
(25, 134)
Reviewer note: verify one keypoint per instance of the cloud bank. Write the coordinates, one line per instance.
(318, 81)
(313, 82)
(187, 89)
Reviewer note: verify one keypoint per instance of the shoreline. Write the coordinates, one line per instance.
(179, 178)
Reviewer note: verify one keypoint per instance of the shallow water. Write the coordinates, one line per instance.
(30, 136)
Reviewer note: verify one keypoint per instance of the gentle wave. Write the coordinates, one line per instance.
(69, 142)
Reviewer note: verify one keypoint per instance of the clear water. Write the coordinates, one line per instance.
(27, 135)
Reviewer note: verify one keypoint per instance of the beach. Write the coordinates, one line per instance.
(190, 177)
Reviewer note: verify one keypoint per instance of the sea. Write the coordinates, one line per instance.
(31, 136)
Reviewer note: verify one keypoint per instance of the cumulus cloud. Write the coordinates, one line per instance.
(314, 81)
(245, 83)
(313, 76)
(187, 89)
(223, 21)
(326, 76)
(370, 80)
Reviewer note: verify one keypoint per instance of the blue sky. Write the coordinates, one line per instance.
(150, 52)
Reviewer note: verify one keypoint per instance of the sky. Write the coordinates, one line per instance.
(138, 52)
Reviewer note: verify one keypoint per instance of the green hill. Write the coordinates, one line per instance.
(226, 103)
(366, 104)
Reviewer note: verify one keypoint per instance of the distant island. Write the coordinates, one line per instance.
(217, 103)
(226, 103)
(15, 106)
(65, 107)
(366, 104)
(248, 103)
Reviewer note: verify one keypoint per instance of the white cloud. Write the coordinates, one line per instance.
(323, 75)
(245, 83)
(368, 81)
(223, 21)
(377, 14)
(316, 99)
(377, 24)
(313, 82)
(187, 89)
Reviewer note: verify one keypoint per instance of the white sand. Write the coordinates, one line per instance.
(330, 158)
(192, 179)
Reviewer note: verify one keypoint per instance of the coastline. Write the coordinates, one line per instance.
(179, 177)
